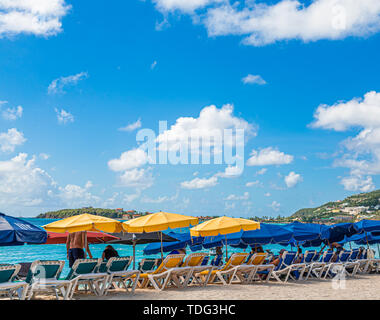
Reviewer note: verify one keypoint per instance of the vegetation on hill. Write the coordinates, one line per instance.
(110, 213)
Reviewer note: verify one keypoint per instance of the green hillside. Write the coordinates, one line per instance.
(353, 208)
(65, 213)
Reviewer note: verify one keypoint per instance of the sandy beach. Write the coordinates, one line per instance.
(362, 287)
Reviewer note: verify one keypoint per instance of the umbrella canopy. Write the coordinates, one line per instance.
(92, 237)
(140, 238)
(15, 231)
(223, 226)
(232, 239)
(159, 221)
(181, 241)
(368, 225)
(337, 232)
(85, 222)
(305, 231)
(267, 234)
(363, 239)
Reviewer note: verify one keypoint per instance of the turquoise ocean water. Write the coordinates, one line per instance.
(29, 253)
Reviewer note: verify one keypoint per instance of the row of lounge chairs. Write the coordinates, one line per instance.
(177, 271)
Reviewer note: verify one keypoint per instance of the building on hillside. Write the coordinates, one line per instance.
(354, 210)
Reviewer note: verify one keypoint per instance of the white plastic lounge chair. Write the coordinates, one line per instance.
(8, 285)
(317, 268)
(43, 277)
(226, 272)
(159, 278)
(286, 267)
(247, 272)
(83, 272)
(189, 271)
(116, 269)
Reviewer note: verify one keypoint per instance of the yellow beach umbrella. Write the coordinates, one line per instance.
(159, 221)
(85, 222)
(223, 226)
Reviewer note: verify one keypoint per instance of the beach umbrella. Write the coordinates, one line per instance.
(85, 222)
(16, 231)
(267, 234)
(159, 221)
(368, 225)
(140, 238)
(231, 239)
(223, 226)
(181, 241)
(337, 232)
(92, 237)
(305, 231)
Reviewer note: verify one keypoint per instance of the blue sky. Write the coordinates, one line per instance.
(107, 66)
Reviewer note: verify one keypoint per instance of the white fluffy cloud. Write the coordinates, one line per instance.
(211, 123)
(253, 183)
(10, 113)
(132, 126)
(268, 156)
(136, 178)
(76, 196)
(362, 152)
(233, 197)
(199, 183)
(182, 5)
(10, 140)
(359, 112)
(292, 179)
(37, 17)
(253, 79)
(57, 85)
(358, 183)
(22, 183)
(64, 117)
(275, 206)
(261, 24)
(131, 159)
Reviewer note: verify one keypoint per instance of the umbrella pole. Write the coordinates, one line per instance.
(226, 248)
(162, 250)
(366, 238)
(134, 255)
(378, 249)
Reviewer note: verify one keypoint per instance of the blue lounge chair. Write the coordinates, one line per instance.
(43, 277)
(286, 267)
(118, 273)
(338, 267)
(217, 261)
(205, 261)
(84, 272)
(12, 288)
(316, 268)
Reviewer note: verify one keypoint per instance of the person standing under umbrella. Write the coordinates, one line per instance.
(75, 244)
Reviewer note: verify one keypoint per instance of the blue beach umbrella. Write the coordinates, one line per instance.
(231, 239)
(338, 232)
(305, 231)
(184, 240)
(267, 234)
(368, 226)
(15, 231)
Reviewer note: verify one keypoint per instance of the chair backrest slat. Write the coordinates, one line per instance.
(8, 272)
